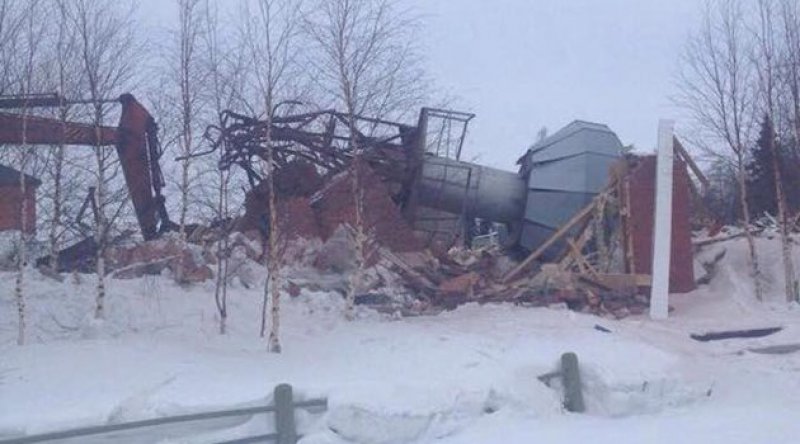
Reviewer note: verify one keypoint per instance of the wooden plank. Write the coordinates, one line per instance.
(584, 235)
(617, 281)
(627, 230)
(735, 334)
(598, 227)
(577, 218)
(692, 165)
(583, 264)
(714, 240)
(419, 280)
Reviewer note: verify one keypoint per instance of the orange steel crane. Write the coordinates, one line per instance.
(135, 139)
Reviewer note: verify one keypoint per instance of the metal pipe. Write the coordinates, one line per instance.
(479, 191)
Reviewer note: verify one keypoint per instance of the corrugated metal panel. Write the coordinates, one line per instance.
(554, 208)
(572, 128)
(534, 235)
(565, 171)
(598, 167)
(582, 139)
(568, 174)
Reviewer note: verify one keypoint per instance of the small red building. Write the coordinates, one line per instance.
(11, 200)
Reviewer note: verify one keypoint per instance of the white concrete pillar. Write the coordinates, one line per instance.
(662, 231)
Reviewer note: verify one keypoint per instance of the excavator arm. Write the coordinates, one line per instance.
(136, 142)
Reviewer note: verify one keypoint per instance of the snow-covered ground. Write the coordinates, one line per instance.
(466, 376)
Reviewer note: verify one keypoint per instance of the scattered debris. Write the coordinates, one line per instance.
(781, 349)
(599, 327)
(154, 256)
(735, 334)
(597, 261)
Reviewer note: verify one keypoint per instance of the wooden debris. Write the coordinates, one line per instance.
(579, 278)
(714, 240)
(561, 232)
(684, 155)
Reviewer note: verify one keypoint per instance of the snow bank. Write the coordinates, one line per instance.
(465, 376)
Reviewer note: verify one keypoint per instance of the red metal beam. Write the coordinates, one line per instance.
(47, 131)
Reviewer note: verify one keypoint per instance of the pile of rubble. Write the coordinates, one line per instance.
(465, 276)
(316, 239)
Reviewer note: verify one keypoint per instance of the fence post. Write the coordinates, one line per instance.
(570, 376)
(284, 414)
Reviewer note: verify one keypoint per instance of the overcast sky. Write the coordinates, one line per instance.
(523, 64)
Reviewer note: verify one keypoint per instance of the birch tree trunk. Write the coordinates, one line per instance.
(269, 35)
(100, 225)
(783, 225)
(223, 69)
(58, 169)
(275, 258)
(187, 41)
(223, 247)
(22, 245)
(62, 56)
(33, 36)
(751, 243)
(359, 236)
(109, 53)
(223, 254)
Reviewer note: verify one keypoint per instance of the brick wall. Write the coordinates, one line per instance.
(642, 183)
(307, 214)
(334, 205)
(10, 200)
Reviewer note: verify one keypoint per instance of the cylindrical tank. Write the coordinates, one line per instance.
(463, 187)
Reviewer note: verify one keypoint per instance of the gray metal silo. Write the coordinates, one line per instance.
(559, 176)
(563, 173)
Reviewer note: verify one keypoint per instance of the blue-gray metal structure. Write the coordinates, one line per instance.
(563, 173)
(558, 177)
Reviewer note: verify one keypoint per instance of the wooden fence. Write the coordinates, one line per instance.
(283, 407)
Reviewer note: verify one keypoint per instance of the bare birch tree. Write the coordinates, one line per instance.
(12, 23)
(224, 67)
(269, 34)
(717, 88)
(34, 30)
(766, 60)
(64, 55)
(109, 49)
(189, 79)
(366, 59)
(789, 72)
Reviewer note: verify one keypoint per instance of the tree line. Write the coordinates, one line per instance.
(740, 83)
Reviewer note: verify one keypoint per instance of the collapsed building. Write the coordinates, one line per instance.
(578, 212)
(573, 225)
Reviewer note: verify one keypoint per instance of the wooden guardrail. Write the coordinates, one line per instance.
(283, 406)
